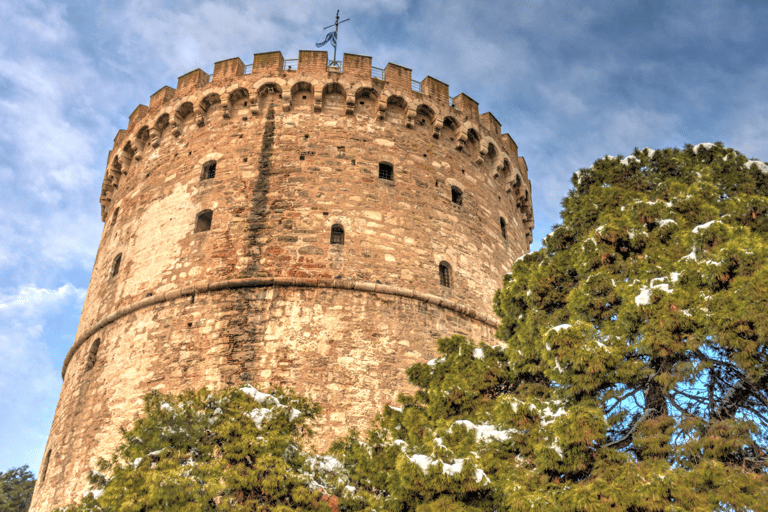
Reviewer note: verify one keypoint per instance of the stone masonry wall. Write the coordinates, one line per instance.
(264, 296)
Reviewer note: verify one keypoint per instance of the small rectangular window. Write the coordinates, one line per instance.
(203, 221)
(386, 171)
(209, 171)
(456, 195)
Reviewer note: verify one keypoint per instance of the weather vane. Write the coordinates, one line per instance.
(331, 36)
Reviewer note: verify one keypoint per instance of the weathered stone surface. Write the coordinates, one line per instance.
(263, 296)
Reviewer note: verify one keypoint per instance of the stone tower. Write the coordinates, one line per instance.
(286, 223)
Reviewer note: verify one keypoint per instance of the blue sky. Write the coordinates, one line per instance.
(570, 81)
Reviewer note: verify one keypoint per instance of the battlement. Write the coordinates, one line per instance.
(391, 93)
(315, 63)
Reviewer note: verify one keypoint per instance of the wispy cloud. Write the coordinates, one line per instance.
(570, 82)
(29, 379)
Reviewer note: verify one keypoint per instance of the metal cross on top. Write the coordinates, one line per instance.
(331, 36)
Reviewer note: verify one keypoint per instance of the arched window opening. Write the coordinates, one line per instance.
(450, 127)
(44, 470)
(503, 225)
(337, 234)
(116, 265)
(203, 221)
(334, 98)
(94, 350)
(456, 195)
(386, 171)
(396, 109)
(366, 101)
(209, 170)
(445, 274)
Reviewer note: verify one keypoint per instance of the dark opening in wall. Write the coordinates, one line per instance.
(337, 234)
(209, 170)
(456, 195)
(44, 470)
(503, 225)
(116, 265)
(92, 353)
(445, 274)
(203, 221)
(114, 218)
(386, 171)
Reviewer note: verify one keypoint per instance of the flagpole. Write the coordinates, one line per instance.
(334, 62)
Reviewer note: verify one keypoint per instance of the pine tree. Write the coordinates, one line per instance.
(235, 450)
(645, 319)
(16, 487)
(635, 369)
(631, 376)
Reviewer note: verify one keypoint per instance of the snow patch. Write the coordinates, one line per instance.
(548, 417)
(259, 416)
(706, 225)
(484, 432)
(644, 297)
(478, 353)
(648, 151)
(425, 461)
(398, 409)
(433, 362)
(762, 167)
(705, 145)
(666, 222)
(166, 407)
(690, 256)
(258, 395)
(559, 328)
(629, 159)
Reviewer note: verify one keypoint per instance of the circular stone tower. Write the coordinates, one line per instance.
(286, 223)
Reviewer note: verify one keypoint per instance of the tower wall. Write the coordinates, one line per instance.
(263, 296)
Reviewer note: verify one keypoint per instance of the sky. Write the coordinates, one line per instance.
(570, 81)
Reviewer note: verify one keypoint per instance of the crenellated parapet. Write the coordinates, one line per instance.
(308, 83)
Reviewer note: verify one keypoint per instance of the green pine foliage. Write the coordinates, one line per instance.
(645, 316)
(631, 377)
(16, 487)
(234, 450)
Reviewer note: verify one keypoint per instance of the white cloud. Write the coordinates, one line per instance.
(29, 380)
(30, 301)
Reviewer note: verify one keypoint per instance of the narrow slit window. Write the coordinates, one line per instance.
(445, 274)
(386, 171)
(337, 234)
(456, 195)
(203, 221)
(114, 217)
(116, 265)
(209, 170)
(45, 466)
(92, 353)
(503, 225)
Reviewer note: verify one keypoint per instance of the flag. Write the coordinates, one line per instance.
(330, 36)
